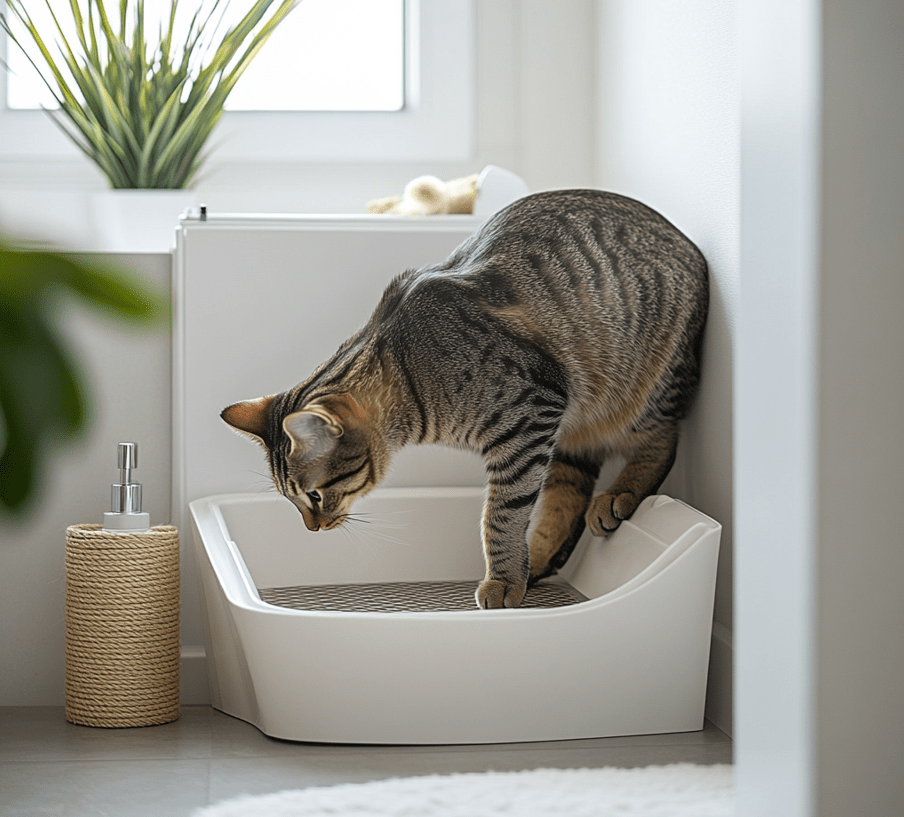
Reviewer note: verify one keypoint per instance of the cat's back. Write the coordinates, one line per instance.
(604, 284)
(568, 224)
(569, 266)
(585, 262)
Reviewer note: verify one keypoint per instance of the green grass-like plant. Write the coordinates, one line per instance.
(142, 109)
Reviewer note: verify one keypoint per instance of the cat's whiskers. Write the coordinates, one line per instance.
(262, 485)
(377, 523)
(261, 488)
(373, 531)
(347, 533)
(355, 537)
(381, 536)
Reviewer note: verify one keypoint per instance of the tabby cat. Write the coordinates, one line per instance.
(564, 331)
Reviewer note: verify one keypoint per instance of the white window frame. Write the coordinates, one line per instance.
(436, 123)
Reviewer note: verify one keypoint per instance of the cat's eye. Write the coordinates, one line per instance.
(314, 496)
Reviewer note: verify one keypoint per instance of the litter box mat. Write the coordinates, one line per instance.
(406, 597)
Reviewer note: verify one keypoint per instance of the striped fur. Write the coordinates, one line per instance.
(565, 331)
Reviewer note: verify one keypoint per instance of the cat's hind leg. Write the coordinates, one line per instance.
(649, 463)
(566, 495)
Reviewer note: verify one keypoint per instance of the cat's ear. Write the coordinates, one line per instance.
(312, 432)
(249, 417)
(344, 411)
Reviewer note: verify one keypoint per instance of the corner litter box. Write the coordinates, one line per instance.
(373, 635)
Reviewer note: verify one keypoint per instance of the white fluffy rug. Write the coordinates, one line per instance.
(681, 790)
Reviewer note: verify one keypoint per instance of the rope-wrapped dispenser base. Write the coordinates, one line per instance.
(122, 626)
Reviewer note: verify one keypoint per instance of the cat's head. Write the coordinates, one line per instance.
(320, 457)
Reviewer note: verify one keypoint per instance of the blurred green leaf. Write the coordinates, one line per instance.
(43, 398)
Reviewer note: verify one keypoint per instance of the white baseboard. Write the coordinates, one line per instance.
(719, 690)
(193, 687)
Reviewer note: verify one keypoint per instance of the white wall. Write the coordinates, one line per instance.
(775, 411)
(820, 384)
(668, 134)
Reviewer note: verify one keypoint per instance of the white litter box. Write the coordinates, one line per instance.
(373, 635)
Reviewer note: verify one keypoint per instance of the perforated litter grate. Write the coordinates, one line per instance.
(405, 597)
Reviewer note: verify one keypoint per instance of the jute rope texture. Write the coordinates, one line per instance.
(122, 626)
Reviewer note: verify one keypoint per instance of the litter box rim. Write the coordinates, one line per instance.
(243, 593)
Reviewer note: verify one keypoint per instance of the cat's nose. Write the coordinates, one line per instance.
(309, 522)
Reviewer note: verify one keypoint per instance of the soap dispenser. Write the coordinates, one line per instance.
(122, 613)
(125, 507)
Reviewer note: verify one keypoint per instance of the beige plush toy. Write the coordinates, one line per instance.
(428, 195)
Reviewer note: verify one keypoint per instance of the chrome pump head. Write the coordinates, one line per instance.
(125, 507)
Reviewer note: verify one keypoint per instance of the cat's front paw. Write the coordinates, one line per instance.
(493, 593)
(607, 511)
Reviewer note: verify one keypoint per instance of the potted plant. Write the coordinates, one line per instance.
(141, 101)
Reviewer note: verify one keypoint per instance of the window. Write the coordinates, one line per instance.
(432, 119)
(327, 55)
(306, 67)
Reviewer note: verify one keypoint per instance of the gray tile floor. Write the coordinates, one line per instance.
(51, 767)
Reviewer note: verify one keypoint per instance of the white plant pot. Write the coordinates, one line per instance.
(138, 220)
